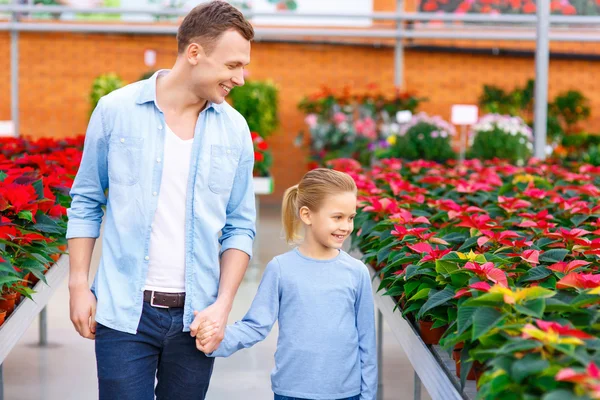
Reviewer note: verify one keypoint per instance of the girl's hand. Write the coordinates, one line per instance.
(204, 333)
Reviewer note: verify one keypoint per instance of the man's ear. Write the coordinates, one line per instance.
(305, 216)
(194, 53)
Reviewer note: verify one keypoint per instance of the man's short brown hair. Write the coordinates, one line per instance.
(208, 21)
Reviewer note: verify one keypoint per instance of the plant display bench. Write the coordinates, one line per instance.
(15, 326)
(433, 366)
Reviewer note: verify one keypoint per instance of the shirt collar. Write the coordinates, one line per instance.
(148, 92)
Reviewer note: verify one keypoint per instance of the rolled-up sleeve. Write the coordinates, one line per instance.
(88, 190)
(239, 230)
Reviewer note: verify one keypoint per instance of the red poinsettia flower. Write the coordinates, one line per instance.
(590, 376)
(479, 222)
(565, 268)
(405, 217)
(571, 236)
(488, 271)
(381, 205)
(579, 281)
(563, 330)
(496, 237)
(481, 286)
(511, 204)
(432, 254)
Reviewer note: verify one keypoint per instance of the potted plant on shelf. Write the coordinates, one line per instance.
(263, 159)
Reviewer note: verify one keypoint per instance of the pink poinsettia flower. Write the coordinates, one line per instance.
(565, 268)
(488, 271)
(511, 205)
(579, 281)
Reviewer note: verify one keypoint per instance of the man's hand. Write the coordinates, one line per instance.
(83, 311)
(213, 320)
(204, 335)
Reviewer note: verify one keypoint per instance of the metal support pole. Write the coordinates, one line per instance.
(541, 78)
(417, 392)
(14, 75)
(463, 144)
(379, 318)
(43, 327)
(1, 383)
(399, 50)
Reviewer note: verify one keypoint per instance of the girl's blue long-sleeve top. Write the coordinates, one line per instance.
(326, 346)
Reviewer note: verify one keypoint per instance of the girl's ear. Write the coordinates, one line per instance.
(304, 214)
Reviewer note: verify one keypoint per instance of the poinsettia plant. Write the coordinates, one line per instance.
(35, 178)
(504, 258)
(263, 159)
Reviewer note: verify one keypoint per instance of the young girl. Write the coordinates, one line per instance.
(321, 297)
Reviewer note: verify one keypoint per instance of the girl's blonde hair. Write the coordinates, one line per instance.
(311, 192)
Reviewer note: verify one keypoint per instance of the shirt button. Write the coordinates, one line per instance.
(122, 140)
(158, 160)
(160, 127)
(146, 258)
(228, 151)
(154, 193)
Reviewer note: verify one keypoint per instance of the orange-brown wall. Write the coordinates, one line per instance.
(57, 70)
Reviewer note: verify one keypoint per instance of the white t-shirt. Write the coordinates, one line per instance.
(166, 268)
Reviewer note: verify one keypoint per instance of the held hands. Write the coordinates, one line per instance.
(208, 327)
(204, 336)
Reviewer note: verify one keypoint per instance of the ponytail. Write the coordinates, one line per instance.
(289, 214)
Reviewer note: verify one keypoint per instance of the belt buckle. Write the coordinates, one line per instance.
(155, 305)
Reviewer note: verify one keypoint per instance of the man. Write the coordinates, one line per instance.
(177, 163)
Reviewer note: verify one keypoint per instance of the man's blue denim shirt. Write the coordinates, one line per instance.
(123, 153)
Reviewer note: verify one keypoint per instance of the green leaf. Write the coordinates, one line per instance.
(536, 274)
(445, 268)
(485, 319)
(437, 299)
(538, 292)
(486, 299)
(555, 305)
(543, 242)
(26, 215)
(39, 188)
(534, 308)
(553, 256)
(579, 219)
(507, 187)
(584, 299)
(469, 243)
(40, 275)
(10, 279)
(46, 224)
(562, 394)
(394, 291)
(383, 253)
(465, 318)
(521, 345)
(410, 287)
(529, 365)
(421, 294)
(416, 271)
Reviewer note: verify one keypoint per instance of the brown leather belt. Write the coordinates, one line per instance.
(164, 300)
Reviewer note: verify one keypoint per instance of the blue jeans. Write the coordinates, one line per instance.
(278, 397)
(128, 364)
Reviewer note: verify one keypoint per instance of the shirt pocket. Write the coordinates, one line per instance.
(224, 161)
(124, 159)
